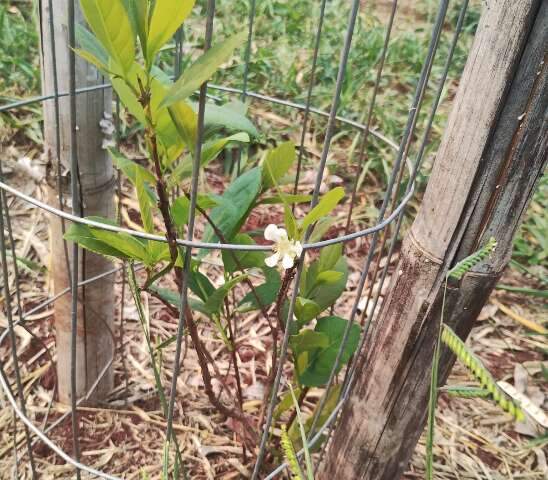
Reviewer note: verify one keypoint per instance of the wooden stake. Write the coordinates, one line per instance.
(493, 151)
(96, 313)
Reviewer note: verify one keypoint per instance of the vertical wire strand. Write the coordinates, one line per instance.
(76, 210)
(397, 169)
(416, 167)
(315, 196)
(190, 231)
(424, 143)
(306, 114)
(237, 154)
(57, 116)
(365, 135)
(13, 340)
(17, 293)
(247, 55)
(121, 345)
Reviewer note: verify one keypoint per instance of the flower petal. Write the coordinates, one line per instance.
(272, 260)
(298, 249)
(271, 232)
(288, 261)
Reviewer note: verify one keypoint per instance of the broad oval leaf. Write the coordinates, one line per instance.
(109, 21)
(308, 340)
(306, 310)
(202, 69)
(322, 360)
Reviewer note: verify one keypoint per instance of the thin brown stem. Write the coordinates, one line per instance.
(282, 293)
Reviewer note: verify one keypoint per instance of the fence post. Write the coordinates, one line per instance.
(493, 151)
(95, 341)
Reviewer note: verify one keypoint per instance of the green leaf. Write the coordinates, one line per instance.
(181, 206)
(321, 360)
(89, 42)
(90, 58)
(214, 302)
(125, 93)
(91, 50)
(325, 294)
(125, 243)
(308, 340)
(166, 18)
(203, 68)
(179, 211)
(277, 163)
(139, 15)
(158, 251)
(82, 235)
(306, 310)
(235, 204)
(110, 23)
(144, 203)
(324, 207)
(320, 228)
(266, 292)
(130, 168)
(329, 276)
(226, 117)
(286, 198)
(290, 223)
(200, 284)
(247, 259)
(329, 257)
(211, 149)
(185, 121)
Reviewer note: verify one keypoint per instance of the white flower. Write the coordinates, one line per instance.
(285, 249)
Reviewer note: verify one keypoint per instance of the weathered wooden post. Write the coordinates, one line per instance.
(493, 151)
(95, 341)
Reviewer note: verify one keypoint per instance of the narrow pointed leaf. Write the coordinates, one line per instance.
(110, 23)
(203, 68)
(144, 203)
(277, 163)
(324, 207)
(167, 17)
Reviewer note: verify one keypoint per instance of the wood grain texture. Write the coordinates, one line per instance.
(96, 307)
(493, 151)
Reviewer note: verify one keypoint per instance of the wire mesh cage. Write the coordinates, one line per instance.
(344, 135)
